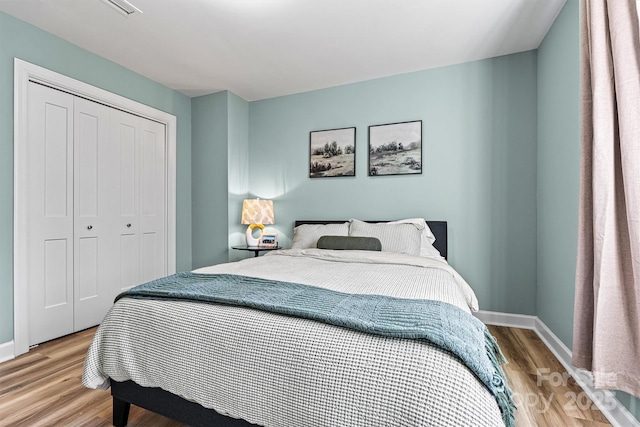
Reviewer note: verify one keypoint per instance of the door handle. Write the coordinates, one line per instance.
(89, 227)
(128, 225)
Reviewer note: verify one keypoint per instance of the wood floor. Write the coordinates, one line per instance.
(42, 387)
(545, 394)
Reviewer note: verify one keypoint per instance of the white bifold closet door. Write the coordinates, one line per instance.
(141, 207)
(97, 209)
(50, 213)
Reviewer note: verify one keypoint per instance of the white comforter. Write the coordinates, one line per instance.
(275, 370)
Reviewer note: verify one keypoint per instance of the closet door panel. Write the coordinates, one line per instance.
(88, 127)
(95, 197)
(152, 199)
(50, 213)
(56, 278)
(128, 144)
(88, 270)
(125, 130)
(56, 159)
(129, 262)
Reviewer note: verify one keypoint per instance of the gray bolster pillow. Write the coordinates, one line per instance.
(352, 243)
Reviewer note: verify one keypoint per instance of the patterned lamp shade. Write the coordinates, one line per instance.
(257, 211)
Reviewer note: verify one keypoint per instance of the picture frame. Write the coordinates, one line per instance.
(332, 153)
(395, 148)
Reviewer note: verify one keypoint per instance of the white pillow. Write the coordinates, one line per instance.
(427, 249)
(421, 223)
(306, 236)
(404, 238)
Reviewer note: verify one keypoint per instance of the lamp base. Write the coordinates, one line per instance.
(252, 241)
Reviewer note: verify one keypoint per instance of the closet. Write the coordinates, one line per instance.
(96, 208)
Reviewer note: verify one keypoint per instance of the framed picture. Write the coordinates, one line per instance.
(332, 153)
(395, 149)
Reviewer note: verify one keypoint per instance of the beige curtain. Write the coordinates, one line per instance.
(606, 336)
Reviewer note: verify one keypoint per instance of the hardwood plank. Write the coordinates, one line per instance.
(545, 393)
(43, 387)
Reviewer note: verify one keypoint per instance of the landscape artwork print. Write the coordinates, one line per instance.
(333, 153)
(395, 149)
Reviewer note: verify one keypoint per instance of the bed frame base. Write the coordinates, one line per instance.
(164, 403)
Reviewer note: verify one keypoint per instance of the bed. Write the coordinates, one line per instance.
(227, 364)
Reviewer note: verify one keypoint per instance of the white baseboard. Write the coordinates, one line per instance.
(521, 321)
(6, 351)
(606, 401)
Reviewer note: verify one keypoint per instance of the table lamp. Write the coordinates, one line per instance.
(256, 213)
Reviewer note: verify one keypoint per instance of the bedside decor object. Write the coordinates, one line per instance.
(268, 240)
(256, 213)
(332, 153)
(395, 148)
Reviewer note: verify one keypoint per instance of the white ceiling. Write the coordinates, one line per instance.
(265, 48)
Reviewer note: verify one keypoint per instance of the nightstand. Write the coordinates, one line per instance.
(256, 249)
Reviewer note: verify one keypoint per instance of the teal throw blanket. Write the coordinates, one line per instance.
(439, 323)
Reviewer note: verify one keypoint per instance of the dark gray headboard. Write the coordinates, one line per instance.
(439, 229)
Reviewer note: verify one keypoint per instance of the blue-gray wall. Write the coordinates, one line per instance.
(21, 40)
(209, 147)
(558, 171)
(238, 164)
(220, 175)
(478, 162)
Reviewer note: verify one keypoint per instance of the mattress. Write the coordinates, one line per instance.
(275, 370)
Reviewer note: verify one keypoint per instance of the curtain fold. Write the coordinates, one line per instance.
(606, 334)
